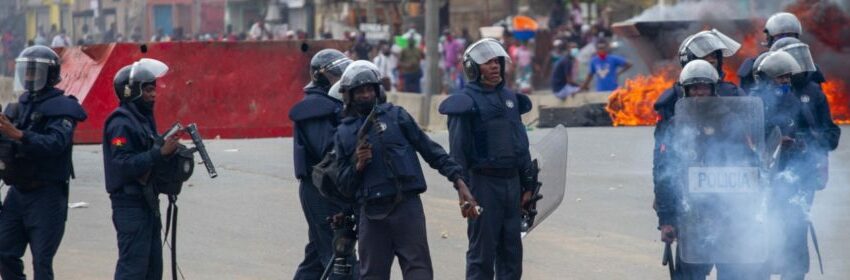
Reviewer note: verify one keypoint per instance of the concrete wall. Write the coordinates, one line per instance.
(413, 103)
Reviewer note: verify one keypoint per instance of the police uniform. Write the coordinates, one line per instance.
(488, 138)
(36, 206)
(391, 220)
(129, 153)
(802, 114)
(668, 192)
(315, 117)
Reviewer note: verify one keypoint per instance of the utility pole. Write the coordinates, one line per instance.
(432, 56)
(370, 11)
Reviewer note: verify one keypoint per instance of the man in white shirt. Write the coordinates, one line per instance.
(61, 40)
(387, 63)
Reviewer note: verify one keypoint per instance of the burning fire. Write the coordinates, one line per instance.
(632, 103)
(838, 97)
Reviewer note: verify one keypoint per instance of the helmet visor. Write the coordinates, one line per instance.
(707, 42)
(336, 68)
(802, 55)
(487, 49)
(156, 67)
(30, 74)
(359, 73)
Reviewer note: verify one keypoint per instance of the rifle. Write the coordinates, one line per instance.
(530, 211)
(192, 129)
(363, 131)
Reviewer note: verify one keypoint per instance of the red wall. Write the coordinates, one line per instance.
(230, 89)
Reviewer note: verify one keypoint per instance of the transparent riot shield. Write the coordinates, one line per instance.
(719, 143)
(550, 154)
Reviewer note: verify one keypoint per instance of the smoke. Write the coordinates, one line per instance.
(720, 9)
(731, 207)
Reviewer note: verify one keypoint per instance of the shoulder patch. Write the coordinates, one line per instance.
(457, 104)
(524, 103)
(313, 106)
(118, 141)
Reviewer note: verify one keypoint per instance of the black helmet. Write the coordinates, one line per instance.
(327, 62)
(37, 68)
(121, 82)
(138, 75)
(479, 53)
(360, 73)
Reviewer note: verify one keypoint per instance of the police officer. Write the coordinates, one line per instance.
(711, 46)
(130, 153)
(778, 26)
(315, 118)
(487, 137)
(802, 114)
(698, 79)
(381, 170)
(41, 128)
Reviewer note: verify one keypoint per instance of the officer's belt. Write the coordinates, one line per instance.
(497, 172)
(129, 196)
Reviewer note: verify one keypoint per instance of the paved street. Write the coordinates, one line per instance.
(247, 223)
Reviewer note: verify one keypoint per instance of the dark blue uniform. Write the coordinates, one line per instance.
(129, 155)
(488, 138)
(34, 213)
(315, 118)
(668, 194)
(392, 220)
(802, 114)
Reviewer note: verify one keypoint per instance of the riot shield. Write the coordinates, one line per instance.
(551, 156)
(719, 142)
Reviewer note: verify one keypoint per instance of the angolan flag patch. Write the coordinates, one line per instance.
(119, 141)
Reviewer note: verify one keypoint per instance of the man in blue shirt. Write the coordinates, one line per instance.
(607, 67)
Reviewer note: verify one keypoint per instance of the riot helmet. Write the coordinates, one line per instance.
(359, 74)
(699, 72)
(782, 25)
(36, 68)
(326, 67)
(142, 73)
(481, 52)
(706, 44)
(798, 50)
(121, 81)
(776, 64)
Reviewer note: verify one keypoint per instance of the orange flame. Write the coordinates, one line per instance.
(838, 96)
(631, 104)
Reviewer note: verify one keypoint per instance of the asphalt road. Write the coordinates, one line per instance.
(247, 223)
